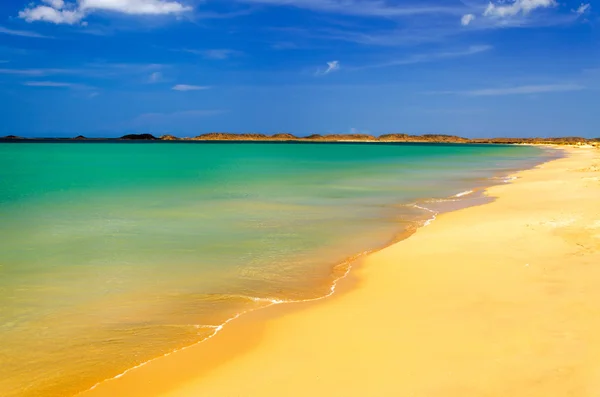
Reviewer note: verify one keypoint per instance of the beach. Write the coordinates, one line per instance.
(115, 254)
(493, 300)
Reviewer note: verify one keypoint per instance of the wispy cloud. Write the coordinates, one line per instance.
(59, 12)
(99, 70)
(582, 9)
(57, 84)
(512, 8)
(363, 7)
(499, 14)
(518, 90)
(215, 54)
(47, 84)
(188, 87)
(37, 72)
(22, 33)
(332, 66)
(474, 16)
(436, 56)
(108, 69)
(526, 89)
(467, 19)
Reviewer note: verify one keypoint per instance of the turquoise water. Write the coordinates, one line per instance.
(115, 253)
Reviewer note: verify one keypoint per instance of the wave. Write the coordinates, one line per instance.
(465, 193)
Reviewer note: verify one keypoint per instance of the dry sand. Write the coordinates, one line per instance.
(501, 299)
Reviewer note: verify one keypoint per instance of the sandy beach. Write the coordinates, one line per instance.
(501, 299)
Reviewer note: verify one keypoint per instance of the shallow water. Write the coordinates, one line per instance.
(115, 253)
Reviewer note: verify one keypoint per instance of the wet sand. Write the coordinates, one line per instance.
(501, 299)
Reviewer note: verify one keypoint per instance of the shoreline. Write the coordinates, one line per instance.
(340, 286)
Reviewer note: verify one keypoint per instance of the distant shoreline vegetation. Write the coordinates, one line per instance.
(284, 137)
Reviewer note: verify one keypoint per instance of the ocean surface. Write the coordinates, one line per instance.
(112, 254)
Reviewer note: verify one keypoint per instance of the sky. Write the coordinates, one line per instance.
(473, 68)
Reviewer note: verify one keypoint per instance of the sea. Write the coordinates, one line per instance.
(115, 253)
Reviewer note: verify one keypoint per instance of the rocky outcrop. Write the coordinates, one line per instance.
(139, 137)
(168, 138)
(313, 137)
(11, 137)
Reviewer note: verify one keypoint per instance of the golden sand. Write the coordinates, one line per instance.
(497, 300)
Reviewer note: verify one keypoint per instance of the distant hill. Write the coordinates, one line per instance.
(139, 137)
(395, 137)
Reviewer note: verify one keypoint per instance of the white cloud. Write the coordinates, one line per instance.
(49, 14)
(23, 33)
(332, 66)
(467, 19)
(148, 7)
(155, 77)
(516, 7)
(59, 12)
(582, 9)
(57, 4)
(187, 87)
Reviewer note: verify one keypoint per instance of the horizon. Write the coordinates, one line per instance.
(267, 137)
(474, 69)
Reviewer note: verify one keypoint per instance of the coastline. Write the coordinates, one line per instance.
(245, 338)
(395, 138)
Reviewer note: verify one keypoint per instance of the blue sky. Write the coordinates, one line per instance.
(186, 67)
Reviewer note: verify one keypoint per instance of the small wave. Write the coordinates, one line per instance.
(427, 222)
(465, 193)
(442, 200)
(504, 179)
